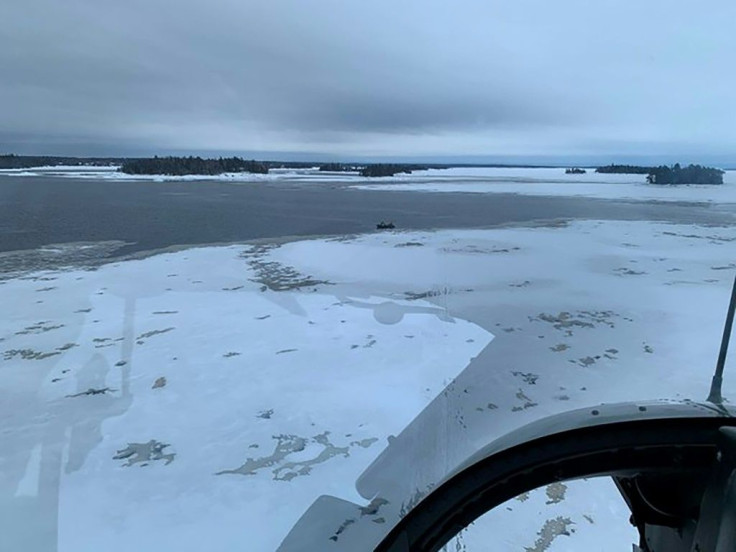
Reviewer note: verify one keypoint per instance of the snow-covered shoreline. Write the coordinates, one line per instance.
(287, 366)
(111, 173)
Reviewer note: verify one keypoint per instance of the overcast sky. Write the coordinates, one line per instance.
(370, 78)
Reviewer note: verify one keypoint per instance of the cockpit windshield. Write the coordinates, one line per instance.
(272, 274)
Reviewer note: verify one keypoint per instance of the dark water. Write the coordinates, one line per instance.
(36, 211)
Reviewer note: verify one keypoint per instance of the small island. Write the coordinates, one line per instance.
(388, 169)
(692, 174)
(676, 174)
(623, 169)
(575, 170)
(337, 167)
(179, 166)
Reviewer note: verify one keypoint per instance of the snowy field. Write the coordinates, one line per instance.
(202, 399)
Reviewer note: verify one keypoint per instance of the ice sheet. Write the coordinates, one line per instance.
(276, 374)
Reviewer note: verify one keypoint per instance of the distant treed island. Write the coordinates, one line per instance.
(692, 174)
(179, 166)
(338, 167)
(11, 161)
(380, 169)
(377, 169)
(623, 169)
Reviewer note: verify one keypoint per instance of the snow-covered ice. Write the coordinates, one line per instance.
(204, 398)
(271, 397)
(554, 182)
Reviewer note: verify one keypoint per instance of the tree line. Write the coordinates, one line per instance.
(389, 169)
(623, 169)
(675, 174)
(692, 174)
(12, 161)
(178, 166)
(373, 169)
(337, 167)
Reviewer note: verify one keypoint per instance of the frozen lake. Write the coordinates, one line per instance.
(203, 398)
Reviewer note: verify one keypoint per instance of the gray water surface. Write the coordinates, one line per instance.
(38, 211)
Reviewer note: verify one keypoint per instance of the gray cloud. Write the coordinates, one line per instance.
(368, 78)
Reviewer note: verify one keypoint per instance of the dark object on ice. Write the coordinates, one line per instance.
(575, 170)
(160, 382)
(385, 226)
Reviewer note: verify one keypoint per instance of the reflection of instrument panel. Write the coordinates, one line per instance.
(674, 462)
(673, 465)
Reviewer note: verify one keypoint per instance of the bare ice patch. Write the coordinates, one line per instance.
(144, 453)
(276, 276)
(552, 529)
(556, 492)
(284, 468)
